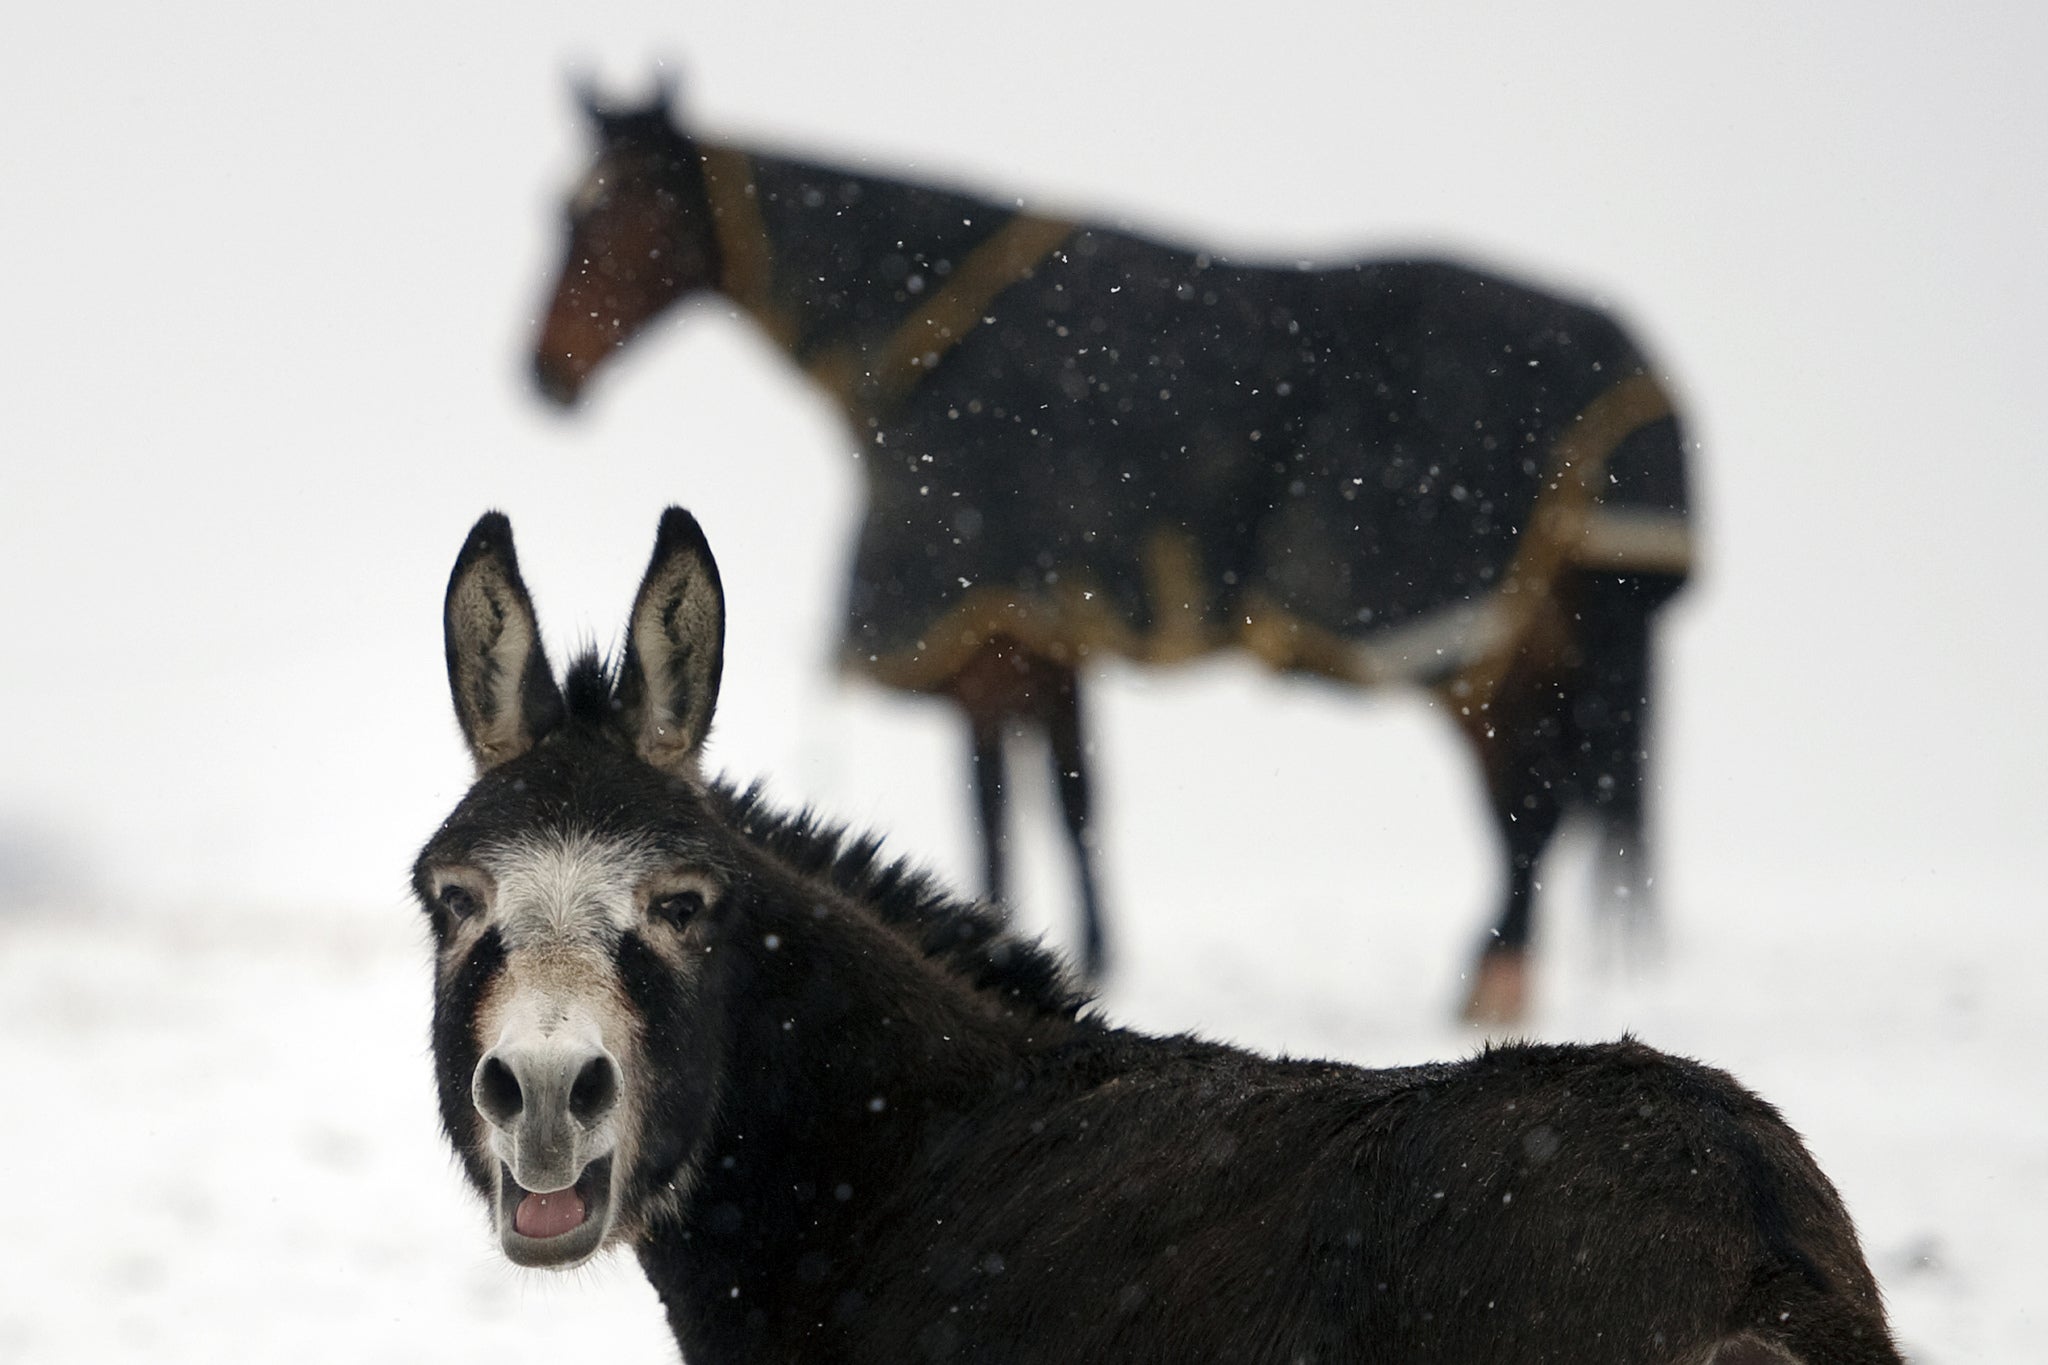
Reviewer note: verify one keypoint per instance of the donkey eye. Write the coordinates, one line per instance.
(676, 907)
(457, 900)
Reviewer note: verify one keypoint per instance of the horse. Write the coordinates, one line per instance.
(1078, 441)
(839, 1114)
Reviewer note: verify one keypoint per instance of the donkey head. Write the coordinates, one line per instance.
(572, 897)
(640, 237)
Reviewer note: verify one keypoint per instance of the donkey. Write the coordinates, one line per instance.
(1077, 440)
(839, 1115)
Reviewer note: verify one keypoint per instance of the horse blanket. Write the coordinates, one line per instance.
(1089, 441)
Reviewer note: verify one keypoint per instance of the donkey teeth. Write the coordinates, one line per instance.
(549, 1215)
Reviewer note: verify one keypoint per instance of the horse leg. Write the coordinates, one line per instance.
(1521, 740)
(1002, 684)
(1070, 771)
(1526, 810)
(987, 732)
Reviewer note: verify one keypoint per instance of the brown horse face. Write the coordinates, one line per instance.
(640, 238)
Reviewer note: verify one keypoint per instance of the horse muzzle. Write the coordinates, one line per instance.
(559, 378)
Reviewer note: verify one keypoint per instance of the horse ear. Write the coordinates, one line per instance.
(584, 90)
(675, 648)
(665, 95)
(504, 690)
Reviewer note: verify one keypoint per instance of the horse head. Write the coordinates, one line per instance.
(641, 237)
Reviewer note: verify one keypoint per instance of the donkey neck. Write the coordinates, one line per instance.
(852, 1052)
(862, 280)
(849, 1012)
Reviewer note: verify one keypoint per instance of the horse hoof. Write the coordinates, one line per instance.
(1500, 991)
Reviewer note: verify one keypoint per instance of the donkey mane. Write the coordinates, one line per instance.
(967, 937)
(590, 689)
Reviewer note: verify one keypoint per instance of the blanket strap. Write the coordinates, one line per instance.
(746, 258)
(1564, 532)
(866, 381)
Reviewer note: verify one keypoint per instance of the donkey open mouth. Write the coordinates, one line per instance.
(554, 1228)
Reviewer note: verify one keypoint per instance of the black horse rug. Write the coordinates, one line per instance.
(1089, 441)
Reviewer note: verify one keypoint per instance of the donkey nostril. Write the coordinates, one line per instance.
(595, 1092)
(497, 1092)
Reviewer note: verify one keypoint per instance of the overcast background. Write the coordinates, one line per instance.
(270, 278)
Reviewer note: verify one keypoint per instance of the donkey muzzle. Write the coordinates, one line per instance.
(547, 1099)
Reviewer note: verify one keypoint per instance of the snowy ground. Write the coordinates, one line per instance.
(271, 274)
(224, 1142)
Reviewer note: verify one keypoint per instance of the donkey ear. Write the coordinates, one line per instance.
(505, 693)
(675, 648)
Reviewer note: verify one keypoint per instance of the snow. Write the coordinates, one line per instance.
(273, 271)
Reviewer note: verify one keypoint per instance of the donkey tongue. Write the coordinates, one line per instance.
(549, 1215)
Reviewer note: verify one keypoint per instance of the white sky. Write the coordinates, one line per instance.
(272, 270)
